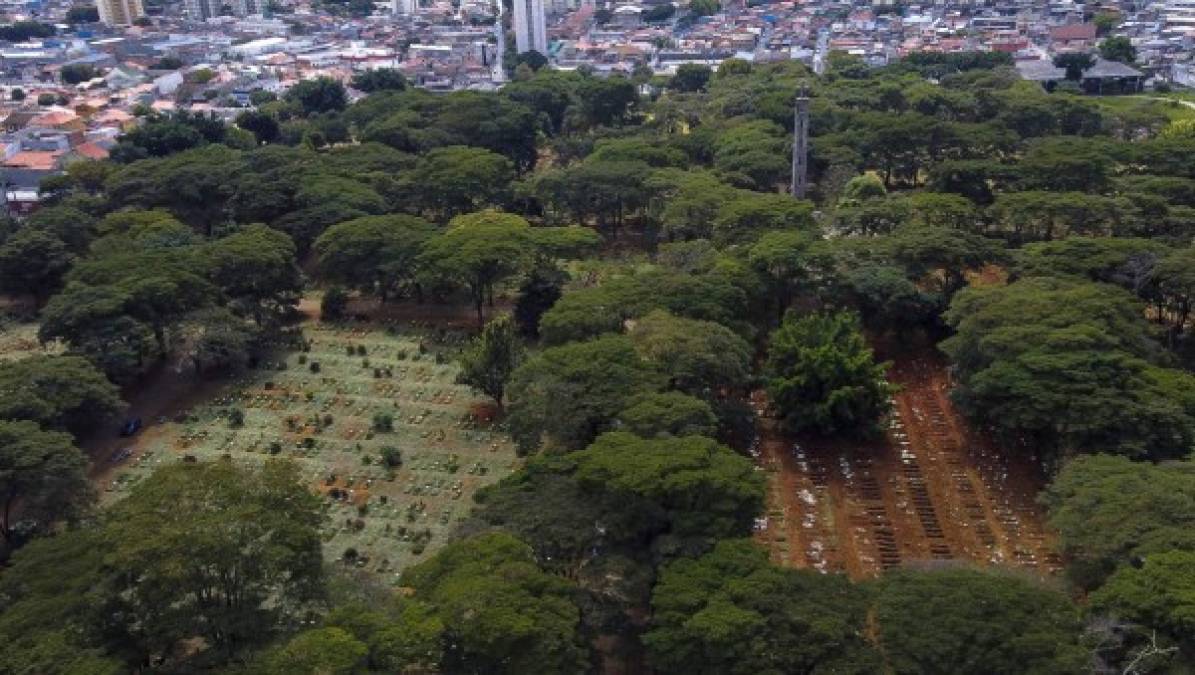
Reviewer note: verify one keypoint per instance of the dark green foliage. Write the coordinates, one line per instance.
(24, 30)
(264, 127)
(700, 358)
(379, 79)
(537, 294)
(58, 392)
(77, 73)
(567, 395)
(210, 550)
(42, 472)
(500, 612)
(376, 254)
(319, 95)
(593, 311)
(165, 134)
(33, 261)
(961, 620)
(690, 77)
(1109, 510)
(1118, 48)
(704, 489)
(487, 364)
(730, 611)
(52, 600)
(822, 376)
(1074, 63)
(1066, 365)
(332, 306)
(668, 414)
(183, 571)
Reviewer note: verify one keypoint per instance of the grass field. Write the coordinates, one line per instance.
(323, 416)
(1171, 108)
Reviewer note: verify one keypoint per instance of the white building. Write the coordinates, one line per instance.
(404, 7)
(531, 30)
(248, 7)
(1178, 17)
(202, 10)
(119, 12)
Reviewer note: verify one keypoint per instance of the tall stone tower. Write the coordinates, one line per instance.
(800, 144)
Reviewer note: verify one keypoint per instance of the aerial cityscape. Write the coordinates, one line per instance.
(673, 337)
(69, 93)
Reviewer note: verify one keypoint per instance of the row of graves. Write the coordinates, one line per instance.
(374, 417)
(931, 489)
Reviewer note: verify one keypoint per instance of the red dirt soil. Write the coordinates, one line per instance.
(931, 489)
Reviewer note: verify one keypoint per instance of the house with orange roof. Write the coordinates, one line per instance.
(34, 159)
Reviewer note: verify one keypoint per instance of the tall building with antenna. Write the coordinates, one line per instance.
(531, 30)
(800, 144)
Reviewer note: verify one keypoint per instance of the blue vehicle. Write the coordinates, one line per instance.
(131, 426)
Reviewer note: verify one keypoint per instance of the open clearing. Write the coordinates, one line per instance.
(388, 517)
(931, 489)
(18, 340)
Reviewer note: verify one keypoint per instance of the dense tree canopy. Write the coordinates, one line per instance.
(946, 620)
(823, 377)
(641, 228)
(730, 611)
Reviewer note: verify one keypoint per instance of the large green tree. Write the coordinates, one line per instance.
(1109, 510)
(375, 253)
(42, 476)
(567, 395)
(66, 393)
(216, 551)
(701, 358)
(961, 620)
(1060, 366)
(501, 613)
(822, 376)
(479, 250)
(487, 364)
(731, 611)
(705, 489)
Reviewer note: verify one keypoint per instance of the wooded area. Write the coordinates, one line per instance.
(632, 277)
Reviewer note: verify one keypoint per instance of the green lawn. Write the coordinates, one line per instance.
(1172, 108)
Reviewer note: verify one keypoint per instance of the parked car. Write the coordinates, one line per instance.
(131, 426)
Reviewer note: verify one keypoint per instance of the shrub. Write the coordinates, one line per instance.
(391, 456)
(383, 422)
(335, 301)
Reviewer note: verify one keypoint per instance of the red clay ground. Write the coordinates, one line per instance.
(931, 489)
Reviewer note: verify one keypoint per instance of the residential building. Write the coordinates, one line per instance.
(202, 10)
(119, 12)
(531, 31)
(248, 7)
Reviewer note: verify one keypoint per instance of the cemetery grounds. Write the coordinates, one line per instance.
(932, 489)
(381, 518)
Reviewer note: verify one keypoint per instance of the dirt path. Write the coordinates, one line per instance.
(930, 489)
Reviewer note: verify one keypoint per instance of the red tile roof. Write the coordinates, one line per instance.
(1075, 31)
